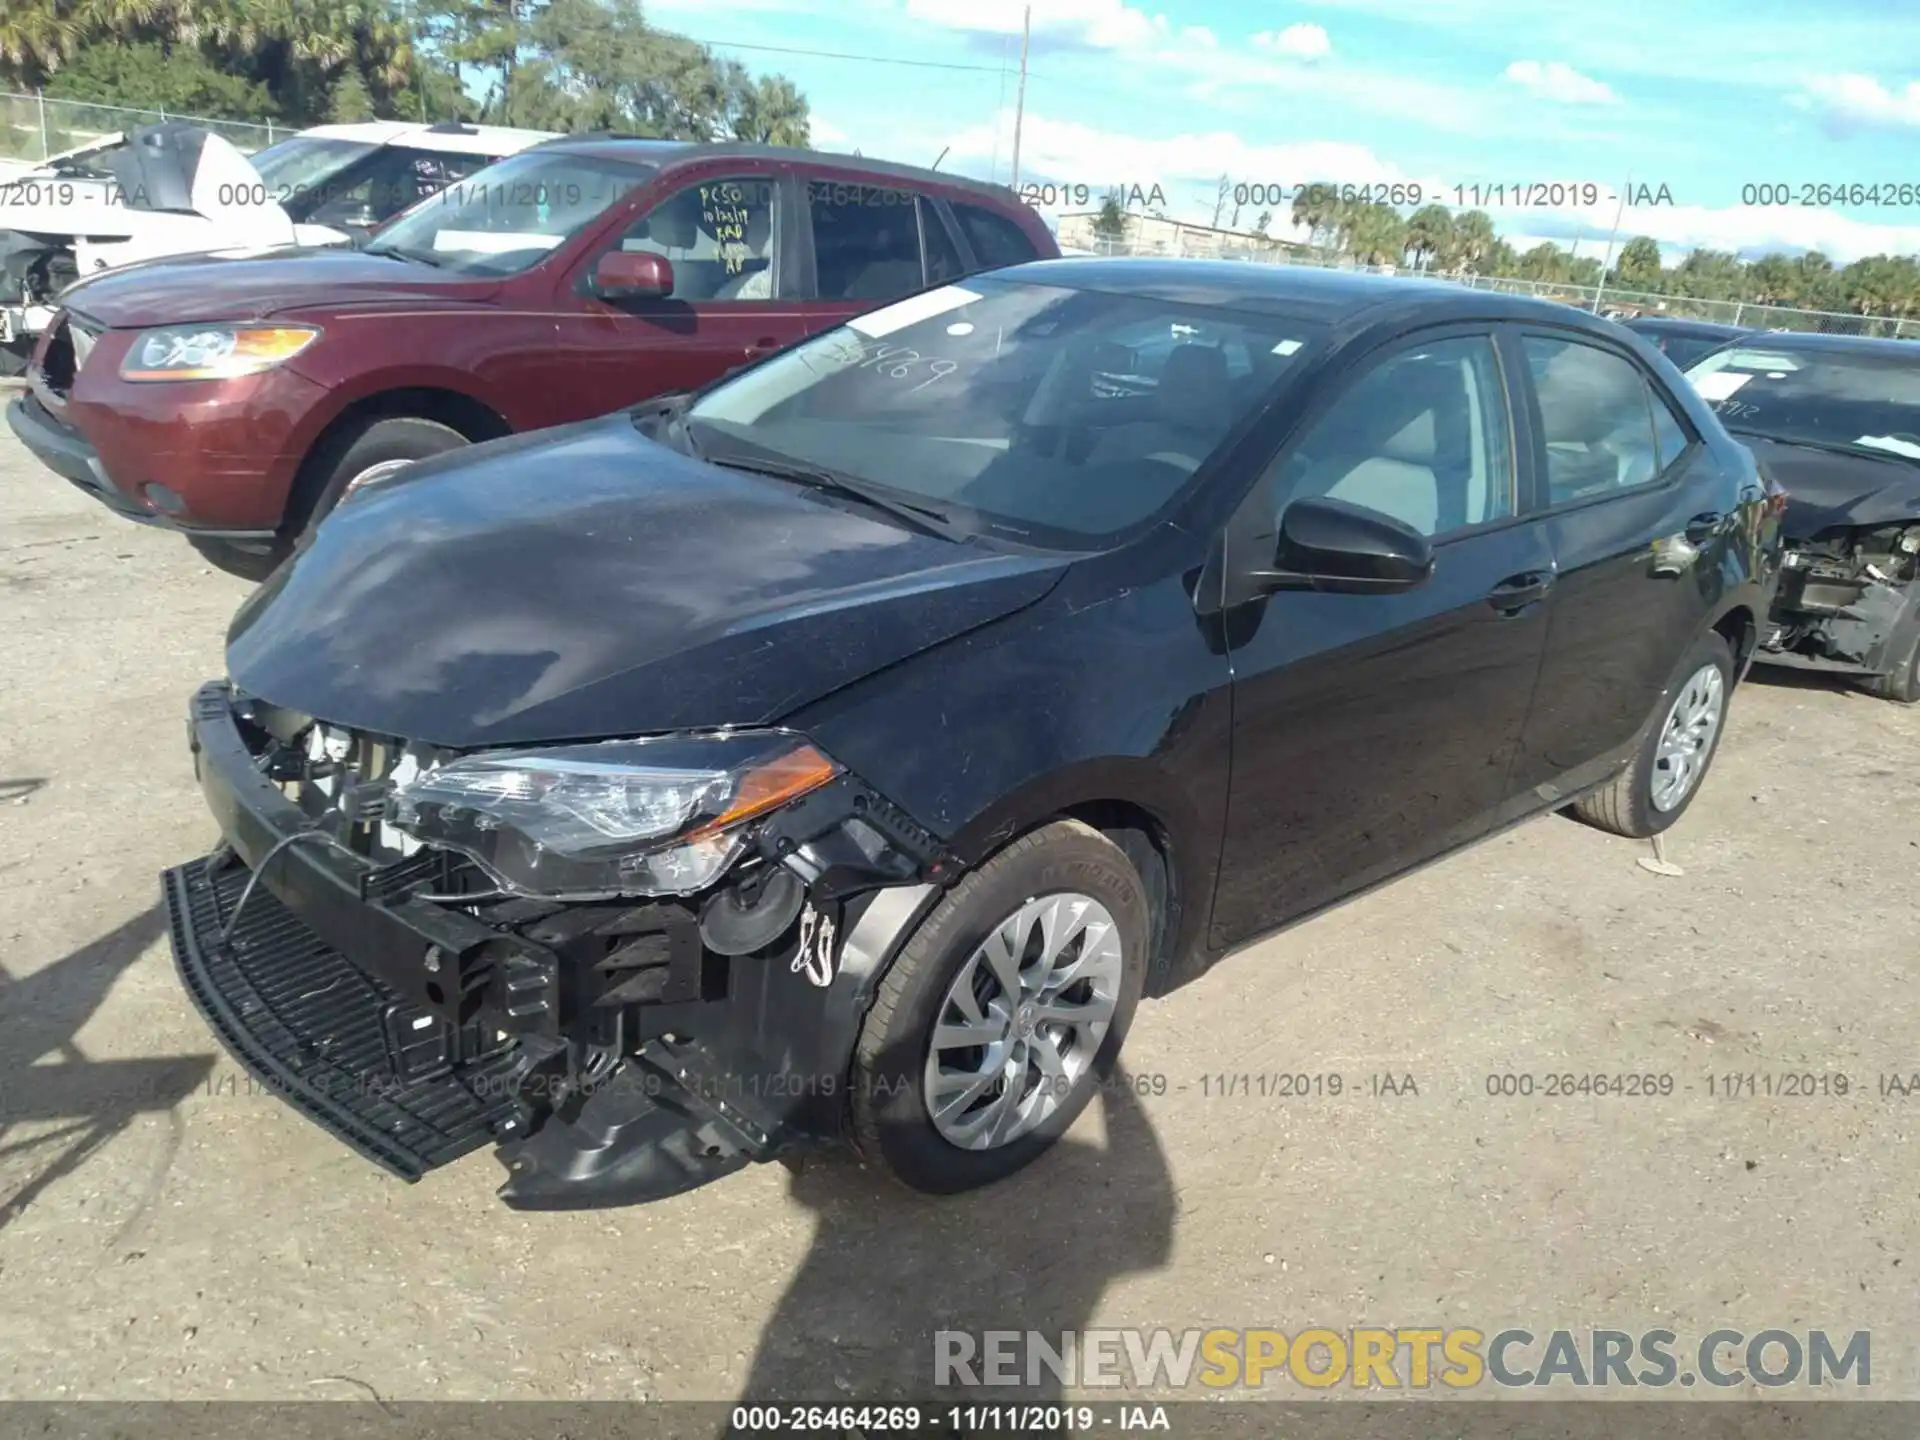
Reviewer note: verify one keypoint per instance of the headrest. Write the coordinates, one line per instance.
(1192, 392)
(675, 225)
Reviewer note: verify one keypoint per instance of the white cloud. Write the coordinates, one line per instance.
(1097, 24)
(1852, 100)
(1559, 82)
(1299, 42)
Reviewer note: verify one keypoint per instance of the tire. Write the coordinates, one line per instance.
(1901, 684)
(247, 564)
(892, 1119)
(1628, 806)
(348, 457)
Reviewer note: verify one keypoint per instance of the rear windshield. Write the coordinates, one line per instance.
(1825, 397)
(305, 163)
(1058, 417)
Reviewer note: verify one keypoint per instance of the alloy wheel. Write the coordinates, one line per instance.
(1020, 1026)
(1686, 739)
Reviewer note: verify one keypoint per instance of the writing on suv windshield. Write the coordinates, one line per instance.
(1060, 416)
(511, 215)
(1852, 400)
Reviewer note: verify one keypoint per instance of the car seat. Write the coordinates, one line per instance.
(754, 280)
(1192, 412)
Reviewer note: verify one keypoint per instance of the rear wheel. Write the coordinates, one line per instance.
(1004, 1013)
(1652, 793)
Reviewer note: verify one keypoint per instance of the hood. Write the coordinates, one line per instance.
(1827, 489)
(256, 286)
(586, 583)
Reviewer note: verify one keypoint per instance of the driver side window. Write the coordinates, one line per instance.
(719, 236)
(1423, 436)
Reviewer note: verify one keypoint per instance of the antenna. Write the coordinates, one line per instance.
(941, 156)
(1020, 99)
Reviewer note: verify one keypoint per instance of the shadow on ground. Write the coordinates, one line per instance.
(889, 1268)
(70, 1105)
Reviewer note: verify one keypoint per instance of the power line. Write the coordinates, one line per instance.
(847, 55)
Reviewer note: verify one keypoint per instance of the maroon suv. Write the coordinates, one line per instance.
(236, 398)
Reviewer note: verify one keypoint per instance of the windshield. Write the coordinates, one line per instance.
(1060, 417)
(1860, 400)
(295, 166)
(509, 216)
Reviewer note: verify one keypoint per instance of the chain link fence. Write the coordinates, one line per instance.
(33, 127)
(1752, 315)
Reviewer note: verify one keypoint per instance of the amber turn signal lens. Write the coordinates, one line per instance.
(769, 786)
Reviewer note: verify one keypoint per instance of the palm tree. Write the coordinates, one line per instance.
(1429, 232)
(1318, 209)
(1471, 243)
(36, 38)
(1375, 234)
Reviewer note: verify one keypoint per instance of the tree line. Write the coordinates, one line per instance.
(1440, 240)
(542, 64)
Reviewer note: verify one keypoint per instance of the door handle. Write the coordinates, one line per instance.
(1701, 526)
(1518, 592)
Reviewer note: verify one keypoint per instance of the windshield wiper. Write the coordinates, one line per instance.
(924, 518)
(401, 252)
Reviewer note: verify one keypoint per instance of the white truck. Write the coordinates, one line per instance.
(178, 189)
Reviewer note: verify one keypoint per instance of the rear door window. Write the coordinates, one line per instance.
(866, 240)
(1597, 415)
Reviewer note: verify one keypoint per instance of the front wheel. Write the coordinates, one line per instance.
(375, 450)
(1652, 793)
(1004, 1013)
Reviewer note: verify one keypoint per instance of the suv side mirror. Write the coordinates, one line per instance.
(1347, 549)
(632, 275)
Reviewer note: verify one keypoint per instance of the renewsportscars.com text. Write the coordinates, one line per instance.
(1414, 1358)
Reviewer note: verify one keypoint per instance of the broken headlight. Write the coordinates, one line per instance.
(660, 816)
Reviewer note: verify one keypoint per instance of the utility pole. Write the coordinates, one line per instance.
(1606, 262)
(1020, 96)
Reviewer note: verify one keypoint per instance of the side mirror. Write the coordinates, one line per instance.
(1347, 549)
(632, 275)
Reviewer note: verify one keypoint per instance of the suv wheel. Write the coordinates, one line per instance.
(1652, 793)
(370, 452)
(1004, 1013)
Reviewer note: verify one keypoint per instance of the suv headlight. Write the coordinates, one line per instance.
(661, 816)
(213, 352)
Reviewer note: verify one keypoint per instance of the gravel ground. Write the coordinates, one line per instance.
(164, 1233)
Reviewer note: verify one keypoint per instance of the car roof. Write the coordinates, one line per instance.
(1306, 292)
(679, 152)
(1813, 340)
(1681, 322)
(457, 140)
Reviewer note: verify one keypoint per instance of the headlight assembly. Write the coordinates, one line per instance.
(213, 352)
(623, 817)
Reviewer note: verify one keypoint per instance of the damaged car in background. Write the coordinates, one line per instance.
(1836, 419)
(841, 752)
(178, 188)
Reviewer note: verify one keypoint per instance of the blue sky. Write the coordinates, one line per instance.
(1700, 96)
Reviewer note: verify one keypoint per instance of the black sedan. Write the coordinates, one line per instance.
(1683, 341)
(842, 753)
(1836, 419)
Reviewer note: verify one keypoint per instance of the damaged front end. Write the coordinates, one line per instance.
(1848, 599)
(635, 965)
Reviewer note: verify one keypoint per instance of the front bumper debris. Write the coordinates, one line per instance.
(613, 1058)
(339, 1045)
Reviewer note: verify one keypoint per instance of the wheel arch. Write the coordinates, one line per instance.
(442, 404)
(1740, 628)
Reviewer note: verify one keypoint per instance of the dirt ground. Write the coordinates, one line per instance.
(164, 1233)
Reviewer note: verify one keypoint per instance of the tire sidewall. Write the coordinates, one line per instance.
(1711, 647)
(890, 1096)
(394, 438)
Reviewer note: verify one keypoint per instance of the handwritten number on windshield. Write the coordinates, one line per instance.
(898, 362)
